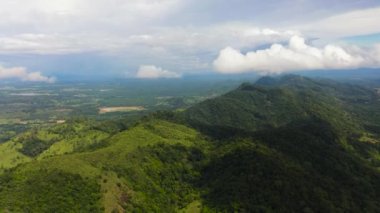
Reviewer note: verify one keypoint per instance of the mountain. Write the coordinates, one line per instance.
(288, 144)
(271, 103)
(292, 144)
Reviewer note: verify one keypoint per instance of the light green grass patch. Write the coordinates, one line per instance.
(194, 207)
(80, 141)
(9, 155)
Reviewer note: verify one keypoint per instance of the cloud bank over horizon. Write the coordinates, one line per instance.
(153, 72)
(296, 56)
(21, 73)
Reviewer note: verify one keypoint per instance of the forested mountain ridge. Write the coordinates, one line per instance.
(289, 144)
(319, 127)
(271, 103)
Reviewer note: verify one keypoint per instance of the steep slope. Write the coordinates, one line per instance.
(361, 102)
(294, 168)
(288, 145)
(256, 107)
(146, 168)
(44, 142)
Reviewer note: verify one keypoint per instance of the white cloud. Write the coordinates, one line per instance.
(376, 54)
(179, 40)
(296, 56)
(158, 31)
(81, 15)
(151, 71)
(188, 49)
(23, 74)
(188, 39)
(353, 23)
(72, 26)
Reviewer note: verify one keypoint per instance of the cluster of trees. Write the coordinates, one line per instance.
(164, 175)
(289, 169)
(48, 191)
(7, 131)
(32, 146)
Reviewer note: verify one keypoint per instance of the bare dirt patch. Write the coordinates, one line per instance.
(104, 110)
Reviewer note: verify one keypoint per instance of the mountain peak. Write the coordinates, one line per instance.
(282, 80)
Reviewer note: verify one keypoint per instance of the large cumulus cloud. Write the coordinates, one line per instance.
(296, 56)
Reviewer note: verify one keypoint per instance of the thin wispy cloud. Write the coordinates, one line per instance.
(353, 23)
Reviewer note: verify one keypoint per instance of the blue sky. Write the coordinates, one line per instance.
(42, 40)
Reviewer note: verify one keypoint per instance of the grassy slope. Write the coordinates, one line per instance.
(10, 156)
(104, 165)
(46, 142)
(77, 142)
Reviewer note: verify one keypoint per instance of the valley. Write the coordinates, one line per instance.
(280, 144)
(25, 106)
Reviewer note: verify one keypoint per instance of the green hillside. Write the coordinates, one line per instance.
(293, 144)
(258, 106)
(132, 171)
(292, 168)
(289, 144)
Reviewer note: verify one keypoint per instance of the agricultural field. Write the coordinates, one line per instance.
(104, 110)
(24, 106)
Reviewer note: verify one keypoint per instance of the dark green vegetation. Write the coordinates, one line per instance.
(49, 191)
(292, 144)
(289, 144)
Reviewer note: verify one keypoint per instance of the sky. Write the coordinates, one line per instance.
(47, 40)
